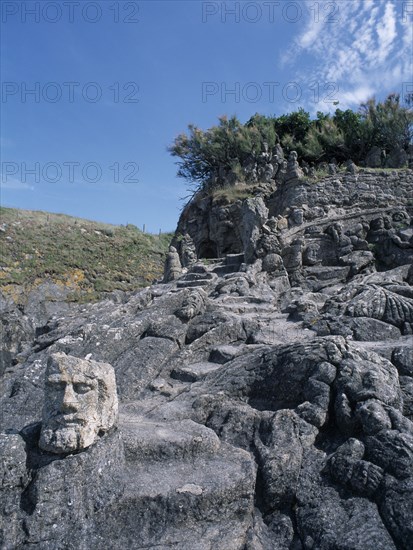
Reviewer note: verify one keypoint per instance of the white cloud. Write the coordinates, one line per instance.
(357, 95)
(364, 42)
(386, 31)
(367, 52)
(312, 32)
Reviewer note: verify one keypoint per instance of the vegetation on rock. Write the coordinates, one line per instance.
(86, 257)
(220, 155)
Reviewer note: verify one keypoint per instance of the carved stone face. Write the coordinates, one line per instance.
(80, 403)
(310, 256)
(377, 224)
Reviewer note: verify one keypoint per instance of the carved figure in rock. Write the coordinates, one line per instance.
(382, 231)
(311, 254)
(359, 261)
(293, 168)
(266, 154)
(293, 260)
(254, 215)
(374, 158)
(265, 168)
(277, 152)
(194, 304)
(342, 241)
(250, 169)
(238, 284)
(401, 217)
(358, 236)
(392, 247)
(173, 268)
(398, 158)
(80, 405)
(296, 216)
(282, 171)
(293, 255)
(266, 172)
(351, 168)
(377, 230)
(268, 243)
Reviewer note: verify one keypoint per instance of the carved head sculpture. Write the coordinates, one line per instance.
(80, 403)
(377, 224)
(311, 254)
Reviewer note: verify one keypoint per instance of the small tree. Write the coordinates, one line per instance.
(350, 124)
(323, 141)
(263, 130)
(205, 154)
(388, 124)
(207, 157)
(295, 124)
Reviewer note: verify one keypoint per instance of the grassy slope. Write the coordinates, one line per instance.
(88, 258)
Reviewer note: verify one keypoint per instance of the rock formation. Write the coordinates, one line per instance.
(265, 392)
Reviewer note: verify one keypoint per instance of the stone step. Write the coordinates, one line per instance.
(194, 372)
(231, 264)
(226, 269)
(190, 284)
(156, 441)
(385, 348)
(163, 497)
(192, 276)
(280, 332)
(232, 299)
(242, 306)
(234, 259)
(227, 352)
(224, 535)
(198, 268)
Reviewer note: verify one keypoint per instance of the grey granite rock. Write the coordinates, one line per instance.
(265, 395)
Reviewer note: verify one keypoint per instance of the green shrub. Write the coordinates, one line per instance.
(212, 158)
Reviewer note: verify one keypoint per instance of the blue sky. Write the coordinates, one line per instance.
(94, 92)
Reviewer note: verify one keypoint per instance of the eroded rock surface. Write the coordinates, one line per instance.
(265, 396)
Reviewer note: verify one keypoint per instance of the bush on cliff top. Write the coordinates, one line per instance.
(206, 157)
